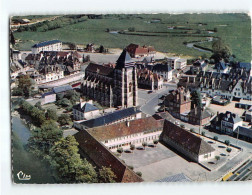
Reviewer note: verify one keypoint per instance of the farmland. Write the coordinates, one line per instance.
(166, 32)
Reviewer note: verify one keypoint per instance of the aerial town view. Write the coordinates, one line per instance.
(123, 98)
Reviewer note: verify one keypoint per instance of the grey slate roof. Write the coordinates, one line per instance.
(42, 44)
(220, 66)
(244, 131)
(111, 117)
(245, 65)
(62, 88)
(124, 60)
(162, 68)
(47, 93)
(231, 117)
(85, 108)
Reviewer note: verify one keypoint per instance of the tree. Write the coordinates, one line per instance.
(132, 147)
(51, 114)
(106, 175)
(64, 119)
(131, 29)
(38, 105)
(155, 142)
(144, 144)
(43, 138)
(229, 150)
(203, 133)
(64, 102)
(227, 142)
(131, 167)
(120, 150)
(65, 159)
(25, 84)
(216, 138)
(182, 126)
(196, 98)
(101, 49)
(220, 50)
(192, 130)
(139, 173)
(217, 158)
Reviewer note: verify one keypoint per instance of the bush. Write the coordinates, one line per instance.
(182, 126)
(144, 144)
(215, 138)
(155, 141)
(203, 133)
(64, 119)
(131, 167)
(139, 174)
(227, 142)
(132, 147)
(229, 150)
(120, 150)
(192, 130)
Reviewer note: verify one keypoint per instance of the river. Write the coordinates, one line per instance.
(24, 161)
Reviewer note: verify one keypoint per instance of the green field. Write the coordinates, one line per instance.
(152, 29)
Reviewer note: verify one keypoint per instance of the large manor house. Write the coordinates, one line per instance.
(112, 86)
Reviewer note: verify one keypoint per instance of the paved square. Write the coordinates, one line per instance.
(148, 156)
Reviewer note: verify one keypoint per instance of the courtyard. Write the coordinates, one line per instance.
(162, 163)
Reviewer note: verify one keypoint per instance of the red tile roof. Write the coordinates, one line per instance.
(101, 156)
(126, 128)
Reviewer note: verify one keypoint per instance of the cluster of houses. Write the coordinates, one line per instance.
(116, 86)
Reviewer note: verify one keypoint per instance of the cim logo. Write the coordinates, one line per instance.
(22, 176)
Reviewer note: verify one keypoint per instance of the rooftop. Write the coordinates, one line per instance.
(62, 88)
(186, 139)
(126, 128)
(45, 43)
(110, 118)
(85, 108)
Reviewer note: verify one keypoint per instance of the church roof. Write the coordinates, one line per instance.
(124, 60)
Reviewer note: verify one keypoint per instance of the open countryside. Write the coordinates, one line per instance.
(168, 33)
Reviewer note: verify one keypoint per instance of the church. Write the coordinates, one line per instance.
(112, 86)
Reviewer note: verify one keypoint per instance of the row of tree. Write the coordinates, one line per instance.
(60, 153)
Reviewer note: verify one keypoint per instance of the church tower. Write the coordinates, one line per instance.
(125, 92)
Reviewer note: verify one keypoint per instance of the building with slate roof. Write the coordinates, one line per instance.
(112, 87)
(62, 89)
(243, 133)
(110, 118)
(164, 70)
(186, 143)
(53, 45)
(84, 110)
(226, 122)
(237, 83)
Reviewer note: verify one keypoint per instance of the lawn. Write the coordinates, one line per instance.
(149, 29)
